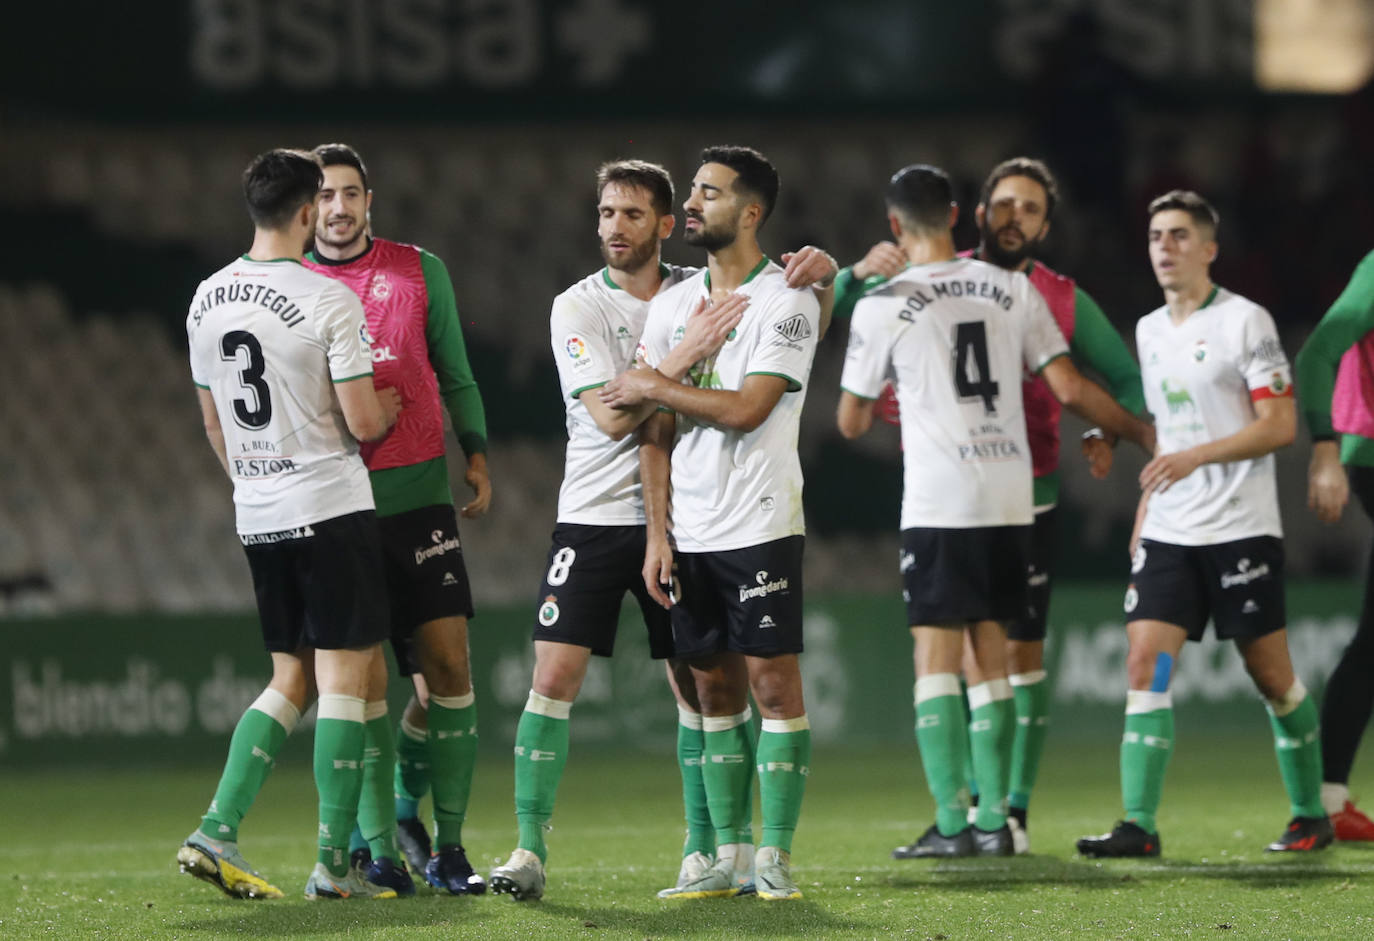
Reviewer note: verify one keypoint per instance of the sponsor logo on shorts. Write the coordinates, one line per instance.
(285, 535)
(1138, 560)
(1132, 599)
(1250, 607)
(767, 621)
(906, 561)
(1244, 574)
(762, 587)
(449, 579)
(441, 545)
(794, 327)
(548, 611)
(1035, 579)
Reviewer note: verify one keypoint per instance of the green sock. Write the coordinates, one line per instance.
(784, 763)
(452, 755)
(990, 731)
(376, 807)
(1145, 749)
(970, 778)
(1297, 742)
(412, 770)
(258, 736)
(541, 751)
(726, 771)
(1031, 692)
(339, 739)
(701, 836)
(942, 737)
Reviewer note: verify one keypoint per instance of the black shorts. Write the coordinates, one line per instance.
(953, 576)
(589, 570)
(1039, 578)
(425, 575)
(748, 600)
(1239, 585)
(320, 585)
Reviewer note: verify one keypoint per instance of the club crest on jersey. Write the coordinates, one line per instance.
(381, 286)
(1277, 384)
(795, 327)
(1200, 351)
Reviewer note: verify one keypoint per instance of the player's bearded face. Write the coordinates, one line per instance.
(628, 229)
(1014, 220)
(343, 208)
(712, 235)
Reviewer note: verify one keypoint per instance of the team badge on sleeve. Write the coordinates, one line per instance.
(577, 351)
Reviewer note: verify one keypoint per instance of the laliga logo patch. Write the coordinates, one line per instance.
(575, 347)
(548, 611)
(364, 335)
(381, 286)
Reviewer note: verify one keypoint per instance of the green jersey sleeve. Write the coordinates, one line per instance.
(449, 356)
(848, 290)
(1349, 319)
(1098, 346)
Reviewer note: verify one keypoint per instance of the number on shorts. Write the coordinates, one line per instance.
(256, 415)
(562, 565)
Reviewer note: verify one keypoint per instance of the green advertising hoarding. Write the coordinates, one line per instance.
(106, 689)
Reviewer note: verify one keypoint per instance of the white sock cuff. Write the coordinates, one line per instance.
(374, 710)
(1288, 701)
(454, 702)
(272, 703)
(1334, 796)
(341, 707)
(935, 685)
(544, 706)
(800, 724)
(725, 723)
(1027, 679)
(687, 718)
(985, 694)
(1139, 701)
(413, 732)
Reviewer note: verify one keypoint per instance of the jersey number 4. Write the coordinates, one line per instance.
(972, 372)
(255, 411)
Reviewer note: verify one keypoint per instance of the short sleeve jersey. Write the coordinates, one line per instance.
(594, 328)
(960, 336)
(733, 489)
(268, 340)
(1201, 379)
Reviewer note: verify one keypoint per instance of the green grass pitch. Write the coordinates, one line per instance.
(90, 854)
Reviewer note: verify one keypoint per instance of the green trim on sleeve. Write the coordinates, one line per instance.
(1050, 360)
(351, 378)
(1097, 345)
(449, 357)
(1343, 325)
(577, 393)
(199, 386)
(792, 384)
(859, 395)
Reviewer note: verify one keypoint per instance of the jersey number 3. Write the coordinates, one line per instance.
(972, 372)
(256, 411)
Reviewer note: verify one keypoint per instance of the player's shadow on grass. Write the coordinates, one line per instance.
(270, 919)
(741, 917)
(994, 875)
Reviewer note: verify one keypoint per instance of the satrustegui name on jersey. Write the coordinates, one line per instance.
(243, 292)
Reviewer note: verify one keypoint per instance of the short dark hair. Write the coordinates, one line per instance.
(650, 177)
(1203, 213)
(278, 183)
(341, 155)
(1028, 167)
(757, 176)
(921, 195)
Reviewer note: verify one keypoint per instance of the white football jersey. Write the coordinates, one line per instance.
(959, 335)
(1201, 378)
(268, 340)
(594, 329)
(733, 489)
